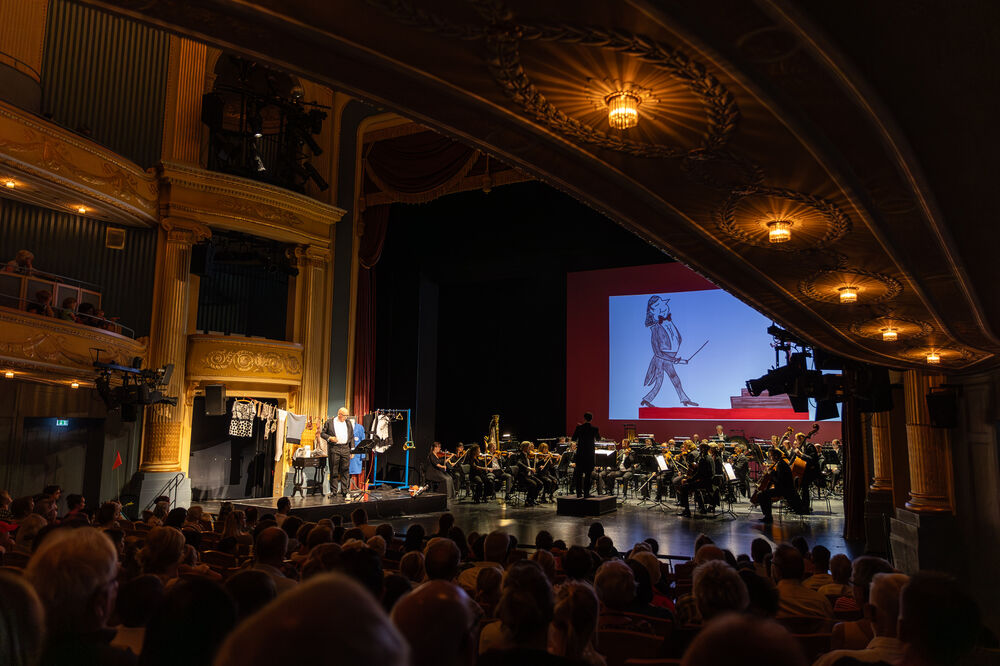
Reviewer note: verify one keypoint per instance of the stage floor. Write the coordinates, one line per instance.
(630, 523)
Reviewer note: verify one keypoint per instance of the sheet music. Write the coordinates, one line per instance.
(661, 462)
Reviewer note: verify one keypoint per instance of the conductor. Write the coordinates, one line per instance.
(585, 435)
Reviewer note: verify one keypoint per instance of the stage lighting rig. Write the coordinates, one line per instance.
(121, 386)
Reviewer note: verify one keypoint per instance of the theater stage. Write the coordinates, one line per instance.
(380, 505)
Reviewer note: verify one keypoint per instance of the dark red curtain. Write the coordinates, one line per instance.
(419, 167)
(376, 223)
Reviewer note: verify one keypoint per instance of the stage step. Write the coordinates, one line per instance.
(596, 505)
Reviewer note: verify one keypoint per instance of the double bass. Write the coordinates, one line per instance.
(798, 463)
(767, 478)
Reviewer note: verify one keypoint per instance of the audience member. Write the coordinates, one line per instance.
(138, 600)
(840, 571)
(718, 589)
(938, 621)
(525, 611)
(176, 518)
(445, 522)
(23, 263)
(42, 304)
(190, 624)
(269, 557)
(440, 623)
(489, 586)
(495, 549)
(251, 590)
(21, 508)
(22, 622)
(74, 572)
(578, 564)
(883, 610)
(235, 527)
(821, 569)
(760, 549)
(414, 538)
(543, 540)
(68, 311)
(161, 555)
(29, 528)
(856, 634)
(441, 559)
(574, 624)
(794, 600)
(742, 639)
(762, 594)
(411, 566)
(284, 509)
(297, 621)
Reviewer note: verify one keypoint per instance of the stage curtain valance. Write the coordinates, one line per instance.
(419, 167)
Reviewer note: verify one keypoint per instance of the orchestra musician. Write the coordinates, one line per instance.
(521, 466)
(699, 478)
(802, 450)
(436, 471)
(741, 467)
(663, 479)
(782, 486)
(545, 471)
(498, 471)
(565, 467)
(607, 481)
(479, 479)
(684, 463)
(455, 463)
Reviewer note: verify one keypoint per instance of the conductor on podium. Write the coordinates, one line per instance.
(585, 436)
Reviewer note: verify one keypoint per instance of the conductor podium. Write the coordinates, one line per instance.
(596, 505)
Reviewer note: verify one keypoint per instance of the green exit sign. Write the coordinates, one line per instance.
(62, 423)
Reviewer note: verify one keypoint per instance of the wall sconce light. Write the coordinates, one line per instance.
(889, 334)
(933, 358)
(848, 294)
(82, 210)
(10, 183)
(9, 374)
(779, 231)
(623, 109)
(75, 385)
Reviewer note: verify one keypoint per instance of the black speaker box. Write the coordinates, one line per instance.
(942, 408)
(215, 399)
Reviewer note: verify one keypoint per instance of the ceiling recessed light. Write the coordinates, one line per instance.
(779, 231)
(9, 374)
(10, 183)
(848, 294)
(82, 210)
(75, 385)
(890, 334)
(933, 358)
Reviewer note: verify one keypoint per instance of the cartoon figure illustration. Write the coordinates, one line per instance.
(666, 341)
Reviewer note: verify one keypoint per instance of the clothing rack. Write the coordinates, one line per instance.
(405, 483)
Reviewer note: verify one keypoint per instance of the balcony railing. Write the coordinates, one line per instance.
(18, 291)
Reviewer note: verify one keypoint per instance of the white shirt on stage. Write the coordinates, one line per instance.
(341, 431)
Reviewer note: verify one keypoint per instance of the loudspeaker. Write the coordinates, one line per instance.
(215, 399)
(942, 408)
(799, 405)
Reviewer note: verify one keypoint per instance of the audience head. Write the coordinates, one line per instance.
(324, 557)
(821, 559)
(271, 546)
(75, 502)
(377, 544)
(28, 530)
(939, 622)
(615, 584)
(162, 552)
(190, 625)
(441, 559)
(291, 526)
(251, 590)
(577, 563)
(440, 623)
(22, 622)
(176, 518)
(547, 562)
(654, 545)
(718, 589)
(595, 532)
(359, 517)
(445, 522)
(284, 505)
(363, 565)
(863, 570)
(368, 635)
(605, 547)
(22, 507)
(761, 592)
(489, 582)
(651, 564)
(702, 540)
(543, 540)
(759, 549)
(138, 600)
(730, 639)
(411, 565)
(708, 553)
(496, 546)
(574, 622)
(385, 531)
(801, 545)
(840, 568)
(883, 603)
(75, 574)
(109, 513)
(319, 535)
(414, 537)
(788, 563)
(526, 605)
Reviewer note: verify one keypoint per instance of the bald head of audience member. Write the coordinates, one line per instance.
(300, 618)
(441, 559)
(938, 621)
(439, 622)
(271, 546)
(731, 638)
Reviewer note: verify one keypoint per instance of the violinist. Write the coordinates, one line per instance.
(455, 464)
(545, 471)
(684, 464)
(522, 468)
(699, 478)
(607, 481)
(741, 467)
(436, 471)
(479, 479)
(782, 486)
(664, 479)
(564, 468)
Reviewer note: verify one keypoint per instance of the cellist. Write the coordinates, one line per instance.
(781, 485)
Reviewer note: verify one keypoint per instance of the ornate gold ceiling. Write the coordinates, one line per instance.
(748, 115)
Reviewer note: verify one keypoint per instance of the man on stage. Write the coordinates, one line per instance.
(783, 486)
(585, 437)
(338, 433)
(700, 478)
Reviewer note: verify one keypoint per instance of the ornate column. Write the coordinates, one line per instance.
(928, 448)
(22, 42)
(925, 531)
(168, 342)
(882, 453)
(310, 319)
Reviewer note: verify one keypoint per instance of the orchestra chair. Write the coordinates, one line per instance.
(618, 645)
(814, 645)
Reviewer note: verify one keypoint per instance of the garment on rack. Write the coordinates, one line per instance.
(279, 443)
(357, 460)
(241, 424)
(294, 425)
(268, 414)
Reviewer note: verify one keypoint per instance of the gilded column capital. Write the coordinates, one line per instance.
(185, 231)
(310, 255)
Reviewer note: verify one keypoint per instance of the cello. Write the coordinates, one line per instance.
(797, 462)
